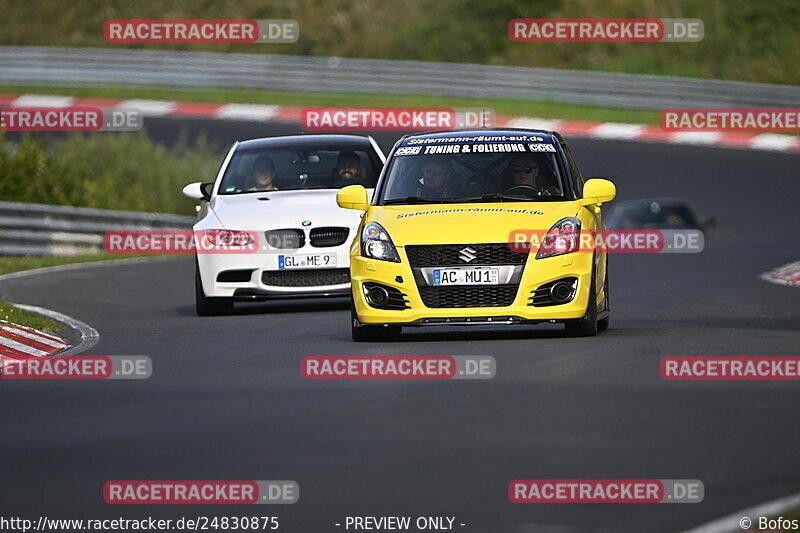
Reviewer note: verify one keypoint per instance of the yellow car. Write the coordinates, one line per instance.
(441, 242)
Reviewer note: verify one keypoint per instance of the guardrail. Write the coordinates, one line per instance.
(39, 229)
(32, 65)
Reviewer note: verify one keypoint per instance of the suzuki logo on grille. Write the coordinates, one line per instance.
(467, 254)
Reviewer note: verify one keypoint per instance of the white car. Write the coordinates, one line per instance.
(272, 209)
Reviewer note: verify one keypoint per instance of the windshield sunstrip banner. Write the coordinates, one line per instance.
(477, 148)
(461, 139)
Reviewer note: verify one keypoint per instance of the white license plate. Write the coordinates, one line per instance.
(466, 276)
(306, 261)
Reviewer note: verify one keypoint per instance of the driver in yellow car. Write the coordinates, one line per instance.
(525, 172)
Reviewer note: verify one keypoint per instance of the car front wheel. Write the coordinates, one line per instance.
(603, 323)
(586, 326)
(370, 333)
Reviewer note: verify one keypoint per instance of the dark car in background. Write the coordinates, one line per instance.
(657, 213)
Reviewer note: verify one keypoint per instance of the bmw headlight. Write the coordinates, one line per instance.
(376, 244)
(230, 238)
(563, 238)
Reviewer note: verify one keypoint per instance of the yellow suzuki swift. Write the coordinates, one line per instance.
(441, 241)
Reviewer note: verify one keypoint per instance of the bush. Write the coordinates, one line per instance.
(125, 171)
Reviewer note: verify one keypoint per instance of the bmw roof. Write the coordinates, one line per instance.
(318, 141)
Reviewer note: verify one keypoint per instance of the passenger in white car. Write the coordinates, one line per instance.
(348, 171)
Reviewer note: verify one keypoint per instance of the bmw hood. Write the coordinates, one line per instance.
(282, 209)
(468, 223)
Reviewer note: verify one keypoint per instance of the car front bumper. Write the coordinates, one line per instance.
(260, 276)
(537, 272)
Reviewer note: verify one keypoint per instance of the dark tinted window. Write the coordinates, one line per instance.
(577, 179)
(466, 172)
(257, 170)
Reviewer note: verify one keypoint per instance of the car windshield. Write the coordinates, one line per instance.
(474, 172)
(270, 169)
(653, 215)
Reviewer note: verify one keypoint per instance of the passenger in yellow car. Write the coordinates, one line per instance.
(438, 181)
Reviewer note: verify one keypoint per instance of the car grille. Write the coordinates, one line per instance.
(326, 237)
(465, 296)
(482, 296)
(285, 238)
(449, 255)
(306, 278)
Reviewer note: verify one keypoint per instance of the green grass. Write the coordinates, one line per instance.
(508, 107)
(11, 313)
(744, 40)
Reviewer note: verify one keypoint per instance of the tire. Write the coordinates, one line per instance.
(603, 323)
(370, 333)
(206, 306)
(587, 326)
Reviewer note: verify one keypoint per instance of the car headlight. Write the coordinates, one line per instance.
(562, 238)
(225, 237)
(376, 244)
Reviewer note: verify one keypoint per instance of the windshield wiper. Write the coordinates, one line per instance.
(416, 200)
(493, 197)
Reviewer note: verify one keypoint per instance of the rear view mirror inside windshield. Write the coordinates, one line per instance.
(304, 158)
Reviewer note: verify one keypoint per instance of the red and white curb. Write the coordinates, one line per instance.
(641, 133)
(273, 113)
(788, 274)
(19, 343)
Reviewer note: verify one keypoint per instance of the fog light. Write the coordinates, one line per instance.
(377, 296)
(561, 291)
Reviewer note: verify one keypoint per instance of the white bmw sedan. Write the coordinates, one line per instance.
(272, 216)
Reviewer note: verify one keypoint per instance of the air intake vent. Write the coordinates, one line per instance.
(455, 254)
(385, 297)
(306, 278)
(234, 276)
(488, 296)
(556, 292)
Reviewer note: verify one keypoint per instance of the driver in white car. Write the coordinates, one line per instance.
(263, 176)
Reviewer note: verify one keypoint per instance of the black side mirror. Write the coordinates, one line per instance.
(204, 190)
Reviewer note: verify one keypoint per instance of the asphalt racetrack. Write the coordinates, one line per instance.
(226, 400)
